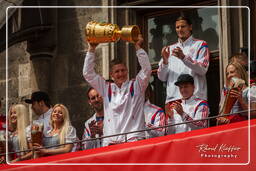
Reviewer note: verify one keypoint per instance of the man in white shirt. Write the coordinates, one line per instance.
(123, 99)
(154, 116)
(94, 125)
(41, 105)
(188, 108)
(187, 56)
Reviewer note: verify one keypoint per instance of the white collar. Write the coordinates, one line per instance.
(123, 84)
(193, 97)
(186, 42)
(46, 114)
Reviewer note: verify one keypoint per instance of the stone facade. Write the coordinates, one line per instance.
(54, 61)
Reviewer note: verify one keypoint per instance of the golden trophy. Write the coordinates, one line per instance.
(105, 32)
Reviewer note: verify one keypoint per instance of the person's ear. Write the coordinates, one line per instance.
(89, 102)
(41, 103)
(111, 75)
(190, 28)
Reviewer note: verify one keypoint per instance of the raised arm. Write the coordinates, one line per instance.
(89, 73)
(145, 72)
(162, 71)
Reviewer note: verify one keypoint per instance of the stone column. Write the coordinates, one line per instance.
(41, 57)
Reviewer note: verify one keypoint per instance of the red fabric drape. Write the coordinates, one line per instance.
(226, 144)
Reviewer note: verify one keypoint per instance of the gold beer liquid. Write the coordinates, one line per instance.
(37, 134)
(229, 103)
(37, 137)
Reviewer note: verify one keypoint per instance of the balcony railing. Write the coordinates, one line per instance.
(125, 134)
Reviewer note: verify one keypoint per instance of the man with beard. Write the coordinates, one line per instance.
(94, 125)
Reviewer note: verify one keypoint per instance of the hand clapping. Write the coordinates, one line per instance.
(178, 53)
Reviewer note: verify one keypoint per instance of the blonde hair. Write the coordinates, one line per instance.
(239, 57)
(240, 70)
(66, 122)
(22, 123)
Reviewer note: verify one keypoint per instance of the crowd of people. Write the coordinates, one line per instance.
(122, 105)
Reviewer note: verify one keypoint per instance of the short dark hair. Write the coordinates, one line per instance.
(116, 62)
(183, 18)
(39, 96)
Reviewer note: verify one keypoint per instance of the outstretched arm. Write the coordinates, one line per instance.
(145, 72)
(89, 73)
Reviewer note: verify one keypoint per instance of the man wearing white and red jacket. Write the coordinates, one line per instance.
(123, 99)
(187, 56)
(94, 125)
(188, 108)
(154, 116)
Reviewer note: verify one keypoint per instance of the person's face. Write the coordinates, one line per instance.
(58, 115)
(36, 107)
(232, 72)
(119, 74)
(13, 116)
(186, 90)
(183, 29)
(95, 100)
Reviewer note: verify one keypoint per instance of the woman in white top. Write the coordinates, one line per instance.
(62, 132)
(234, 69)
(18, 121)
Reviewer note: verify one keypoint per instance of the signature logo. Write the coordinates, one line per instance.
(217, 148)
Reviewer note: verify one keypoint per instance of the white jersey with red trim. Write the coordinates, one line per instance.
(195, 63)
(123, 107)
(154, 117)
(87, 135)
(194, 109)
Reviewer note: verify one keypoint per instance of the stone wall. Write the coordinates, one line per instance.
(66, 83)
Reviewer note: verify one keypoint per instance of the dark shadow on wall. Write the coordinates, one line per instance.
(58, 56)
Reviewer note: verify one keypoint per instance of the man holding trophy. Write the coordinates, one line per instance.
(123, 99)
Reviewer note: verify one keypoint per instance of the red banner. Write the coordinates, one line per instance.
(222, 145)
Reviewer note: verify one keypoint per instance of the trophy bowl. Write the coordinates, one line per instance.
(105, 32)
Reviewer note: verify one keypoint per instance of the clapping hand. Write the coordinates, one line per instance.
(178, 107)
(178, 53)
(165, 54)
